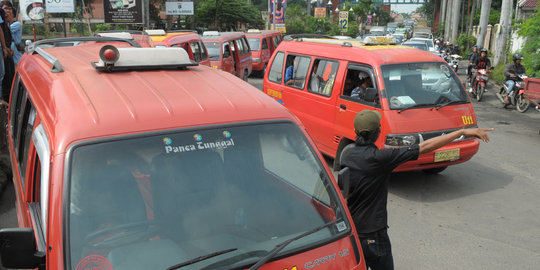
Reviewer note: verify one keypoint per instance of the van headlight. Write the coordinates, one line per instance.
(396, 140)
(256, 60)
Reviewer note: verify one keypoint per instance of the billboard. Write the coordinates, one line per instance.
(179, 7)
(32, 11)
(123, 11)
(60, 6)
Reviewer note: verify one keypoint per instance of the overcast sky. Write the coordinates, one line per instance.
(404, 8)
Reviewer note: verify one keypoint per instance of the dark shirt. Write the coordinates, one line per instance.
(472, 57)
(514, 69)
(370, 170)
(483, 63)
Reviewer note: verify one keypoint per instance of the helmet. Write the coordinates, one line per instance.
(517, 56)
(475, 45)
(484, 50)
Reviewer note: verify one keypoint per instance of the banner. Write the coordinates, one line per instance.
(179, 7)
(279, 13)
(32, 11)
(123, 11)
(59, 6)
(320, 12)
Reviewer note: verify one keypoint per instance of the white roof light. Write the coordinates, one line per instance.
(210, 33)
(155, 32)
(253, 31)
(124, 35)
(112, 57)
(379, 40)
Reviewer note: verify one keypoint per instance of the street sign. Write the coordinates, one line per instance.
(60, 6)
(32, 12)
(179, 7)
(343, 20)
(320, 12)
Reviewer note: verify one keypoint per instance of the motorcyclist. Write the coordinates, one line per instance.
(511, 72)
(472, 58)
(481, 62)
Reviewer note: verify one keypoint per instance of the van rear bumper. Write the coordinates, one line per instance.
(467, 149)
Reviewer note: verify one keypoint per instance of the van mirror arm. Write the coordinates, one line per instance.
(344, 181)
(18, 249)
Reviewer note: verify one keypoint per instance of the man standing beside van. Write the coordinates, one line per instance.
(370, 169)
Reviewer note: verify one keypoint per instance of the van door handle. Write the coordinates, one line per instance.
(343, 106)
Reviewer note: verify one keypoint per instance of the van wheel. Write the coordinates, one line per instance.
(264, 71)
(435, 170)
(245, 77)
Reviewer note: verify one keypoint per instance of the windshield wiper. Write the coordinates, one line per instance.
(283, 244)
(415, 106)
(201, 258)
(449, 103)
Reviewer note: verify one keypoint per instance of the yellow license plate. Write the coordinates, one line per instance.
(448, 155)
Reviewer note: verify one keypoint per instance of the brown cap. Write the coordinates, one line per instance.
(367, 120)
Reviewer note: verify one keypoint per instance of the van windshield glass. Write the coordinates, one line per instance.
(412, 84)
(214, 50)
(254, 44)
(166, 199)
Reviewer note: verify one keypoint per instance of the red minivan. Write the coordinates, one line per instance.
(229, 51)
(139, 158)
(188, 40)
(262, 44)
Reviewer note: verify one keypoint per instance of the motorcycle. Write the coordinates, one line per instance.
(454, 61)
(479, 83)
(516, 96)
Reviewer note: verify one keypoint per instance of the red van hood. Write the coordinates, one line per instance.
(428, 119)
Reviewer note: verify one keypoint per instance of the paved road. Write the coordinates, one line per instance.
(483, 214)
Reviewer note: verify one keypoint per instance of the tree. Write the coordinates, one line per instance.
(531, 54)
(227, 14)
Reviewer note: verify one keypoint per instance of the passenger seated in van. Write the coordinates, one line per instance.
(290, 70)
(360, 90)
(316, 79)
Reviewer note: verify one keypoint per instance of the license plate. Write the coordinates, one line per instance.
(448, 155)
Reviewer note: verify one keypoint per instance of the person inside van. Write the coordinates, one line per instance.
(365, 82)
(289, 71)
(316, 79)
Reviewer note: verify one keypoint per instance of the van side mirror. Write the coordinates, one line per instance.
(344, 181)
(371, 94)
(18, 249)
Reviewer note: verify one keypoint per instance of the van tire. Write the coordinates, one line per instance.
(245, 77)
(264, 70)
(435, 170)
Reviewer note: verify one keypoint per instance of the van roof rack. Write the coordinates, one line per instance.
(301, 36)
(59, 41)
(136, 32)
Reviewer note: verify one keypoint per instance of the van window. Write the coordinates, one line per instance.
(357, 80)
(27, 125)
(322, 76)
(296, 70)
(276, 69)
(428, 84)
(203, 51)
(17, 105)
(196, 49)
(261, 176)
(240, 46)
(254, 44)
(214, 50)
(246, 45)
(264, 44)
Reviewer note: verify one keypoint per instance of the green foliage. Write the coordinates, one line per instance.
(228, 14)
(531, 52)
(494, 16)
(465, 43)
(427, 10)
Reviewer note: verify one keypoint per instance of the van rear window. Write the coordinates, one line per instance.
(214, 50)
(254, 44)
(173, 197)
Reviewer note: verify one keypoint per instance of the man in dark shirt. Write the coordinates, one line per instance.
(511, 73)
(370, 170)
(481, 62)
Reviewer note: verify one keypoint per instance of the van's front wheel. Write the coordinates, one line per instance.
(435, 170)
(245, 77)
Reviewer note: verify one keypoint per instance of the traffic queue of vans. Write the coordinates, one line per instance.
(144, 158)
(140, 158)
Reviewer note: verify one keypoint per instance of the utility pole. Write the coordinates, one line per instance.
(506, 25)
(455, 19)
(484, 19)
(448, 23)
